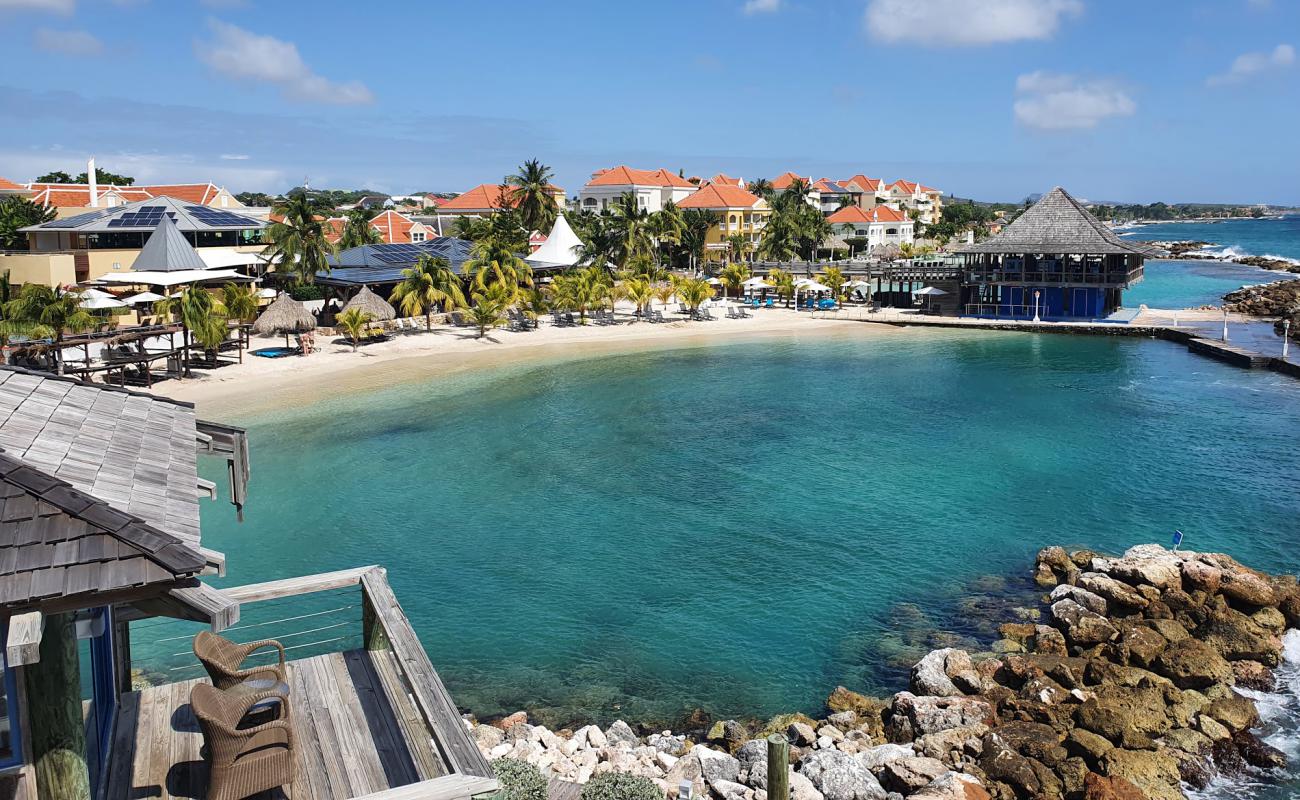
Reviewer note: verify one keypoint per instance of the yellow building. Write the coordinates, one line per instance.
(741, 213)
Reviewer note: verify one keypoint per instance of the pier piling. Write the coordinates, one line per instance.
(778, 767)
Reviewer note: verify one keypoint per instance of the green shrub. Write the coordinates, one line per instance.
(307, 291)
(620, 786)
(519, 780)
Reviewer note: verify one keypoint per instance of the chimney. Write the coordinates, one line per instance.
(94, 185)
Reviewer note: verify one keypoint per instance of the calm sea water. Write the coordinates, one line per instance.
(742, 527)
(1276, 238)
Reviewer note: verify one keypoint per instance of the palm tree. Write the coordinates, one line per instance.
(761, 187)
(906, 250)
(471, 228)
(640, 291)
(696, 224)
(631, 225)
(51, 308)
(581, 290)
(846, 200)
(19, 212)
(532, 196)
(490, 305)
(733, 276)
(427, 284)
(493, 264)
(739, 246)
(354, 322)
(783, 282)
(357, 230)
(239, 301)
(666, 227)
(199, 314)
(694, 291)
(297, 243)
(664, 293)
(533, 302)
(833, 278)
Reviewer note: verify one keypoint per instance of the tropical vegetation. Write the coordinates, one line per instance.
(795, 228)
(239, 301)
(693, 292)
(429, 284)
(16, 213)
(733, 277)
(297, 241)
(200, 315)
(581, 290)
(532, 195)
(353, 322)
(357, 229)
(490, 306)
(51, 310)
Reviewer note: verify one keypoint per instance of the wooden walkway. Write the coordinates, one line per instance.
(356, 730)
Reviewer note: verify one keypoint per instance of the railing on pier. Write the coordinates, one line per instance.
(1054, 277)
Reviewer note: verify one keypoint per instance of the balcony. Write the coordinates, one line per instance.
(1056, 277)
(373, 722)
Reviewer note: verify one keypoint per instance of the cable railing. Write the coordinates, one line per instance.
(1049, 277)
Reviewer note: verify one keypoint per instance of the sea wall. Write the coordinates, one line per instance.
(1124, 687)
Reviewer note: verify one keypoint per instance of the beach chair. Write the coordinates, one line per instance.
(568, 318)
(658, 316)
(769, 303)
(242, 760)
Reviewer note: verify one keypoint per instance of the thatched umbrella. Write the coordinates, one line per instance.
(377, 307)
(286, 316)
(886, 252)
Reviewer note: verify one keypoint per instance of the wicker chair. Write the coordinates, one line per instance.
(223, 660)
(242, 762)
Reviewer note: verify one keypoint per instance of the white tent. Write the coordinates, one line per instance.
(93, 292)
(757, 283)
(173, 277)
(812, 286)
(143, 297)
(267, 293)
(562, 247)
(99, 303)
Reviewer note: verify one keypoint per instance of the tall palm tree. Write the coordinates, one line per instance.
(200, 316)
(733, 276)
(297, 243)
(357, 230)
(631, 224)
(665, 292)
(495, 263)
(696, 224)
(694, 291)
(51, 308)
(471, 228)
(761, 187)
(666, 227)
(239, 301)
(739, 246)
(429, 283)
(783, 282)
(532, 196)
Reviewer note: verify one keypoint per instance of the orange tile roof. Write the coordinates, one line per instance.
(905, 186)
(627, 176)
(10, 186)
(395, 228)
(863, 183)
(333, 227)
(784, 181)
(724, 180)
(854, 215)
(484, 197)
(77, 195)
(928, 190)
(720, 196)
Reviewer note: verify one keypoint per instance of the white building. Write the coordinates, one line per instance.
(879, 225)
(652, 188)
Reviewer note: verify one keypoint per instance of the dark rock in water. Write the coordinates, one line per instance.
(1227, 757)
(1253, 675)
(1257, 753)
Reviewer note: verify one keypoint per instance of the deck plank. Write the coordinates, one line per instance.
(414, 732)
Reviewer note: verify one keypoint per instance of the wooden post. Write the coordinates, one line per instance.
(373, 634)
(778, 767)
(57, 729)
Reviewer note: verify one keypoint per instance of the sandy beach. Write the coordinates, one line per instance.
(261, 384)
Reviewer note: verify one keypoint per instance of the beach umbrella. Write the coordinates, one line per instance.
(757, 283)
(143, 297)
(89, 293)
(100, 303)
(267, 293)
(930, 290)
(286, 316)
(372, 304)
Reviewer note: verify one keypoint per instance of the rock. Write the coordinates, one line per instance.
(830, 732)
(1235, 712)
(1127, 716)
(1155, 772)
(729, 790)
(620, 731)
(487, 737)
(1270, 619)
(716, 765)
(1057, 559)
(665, 761)
(952, 746)
(877, 757)
(1003, 764)
(801, 734)
(1168, 628)
(1087, 745)
(1202, 577)
(752, 756)
(1036, 740)
(1253, 675)
(1193, 664)
(1150, 564)
(499, 751)
(844, 700)
(1081, 626)
(1113, 591)
(520, 731)
(590, 736)
(906, 775)
(1247, 587)
(1093, 602)
(1257, 753)
(505, 723)
(840, 777)
(1289, 604)
(844, 720)
(1213, 730)
(1238, 637)
(945, 673)
(912, 716)
(1099, 787)
(1140, 644)
(801, 788)
(953, 786)
(687, 768)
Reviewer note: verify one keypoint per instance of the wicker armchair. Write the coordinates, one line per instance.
(242, 762)
(223, 660)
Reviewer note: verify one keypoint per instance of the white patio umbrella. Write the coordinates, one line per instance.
(93, 292)
(143, 297)
(930, 290)
(757, 283)
(99, 303)
(713, 281)
(267, 293)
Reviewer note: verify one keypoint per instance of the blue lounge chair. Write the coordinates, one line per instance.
(769, 303)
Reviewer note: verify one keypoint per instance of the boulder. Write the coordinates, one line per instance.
(947, 672)
(1052, 562)
(1115, 592)
(1150, 564)
(880, 755)
(844, 720)
(1087, 745)
(1193, 664)
(1049, 641)
(803, 789)
(801, 734)
(1026, 777)
(1036, 740)
(844, 700)
(590, 736)
(1093, 602)
(1253, 675)
(906, 775)
(752, 756)
(840, 777)
(487, 737)
(1127, 716)
(1212, 728)
(1171, 630)
(1257, 753)
(952, 746)
(912, 716)
(505, 723)
(729, 790)
(1140, 644)
(1099, 787)
(1201, 577)
(1081, 626)
(1238, 637)
(1289, 605)
(1247, 588)
(1155, 772)
(621, 732)
(952, 786)
(716, 765)
(1235, 712)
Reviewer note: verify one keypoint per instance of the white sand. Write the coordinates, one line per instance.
(261, 384)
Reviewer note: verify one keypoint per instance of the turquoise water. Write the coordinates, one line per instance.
(1189, 284)
(1278, 238)
(742, 527)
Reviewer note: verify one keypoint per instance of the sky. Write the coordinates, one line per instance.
(1132, 101)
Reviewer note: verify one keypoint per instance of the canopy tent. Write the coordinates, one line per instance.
(713, 282)
(377, 307)
(143, 297)
(562, 248)
(101, 303)
(174, 277)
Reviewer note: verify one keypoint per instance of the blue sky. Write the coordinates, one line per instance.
(1175, 100)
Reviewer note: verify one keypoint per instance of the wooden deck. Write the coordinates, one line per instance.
(356, 727)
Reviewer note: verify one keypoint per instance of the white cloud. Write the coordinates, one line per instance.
(245, 55)
(1051, 102)
(69, 43)
(1248, 64)
(966, 22)
(57, 6)
(235, 157)
(146, 168)
(762, 6)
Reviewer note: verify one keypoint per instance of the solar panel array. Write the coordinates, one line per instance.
(218, 218)
(357, 266)
(80, 219)
(143, 217)
(398, 253)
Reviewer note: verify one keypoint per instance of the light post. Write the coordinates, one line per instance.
(1225, 323)
(1036, 319)
(1286, 337)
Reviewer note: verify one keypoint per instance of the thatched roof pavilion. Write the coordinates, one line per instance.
(1058, 223)
(377, 307)
(286, 316)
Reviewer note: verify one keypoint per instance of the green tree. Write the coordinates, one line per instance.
(733, 276)
(761, 187)
(200, 316)
(581, 290)
(783, 283)
(53, 309)
(631, 226)
(490, 306)
(471, 229)
(354, 322)
(297, 243)
(239, 301)
(833, 278)
(19, 212)
(665, 228)
(429, 283)
(532, 195)
(102, 177)
(694, 291)
(640, 291)
(696, 224)
(739, 247)
(358, 231)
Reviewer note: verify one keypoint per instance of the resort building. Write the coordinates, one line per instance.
(832, 194)
(1055, 261)
(380, 266)
(906, 195)
(101, 555)
(740, 214)
(724, 180)
(783, 182)
(653, 189)
(96, 243)
(484, 200)
(878, 225)
(393, 228)
(864, 190)
(69, 199)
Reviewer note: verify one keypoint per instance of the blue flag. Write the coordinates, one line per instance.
(1178, 539)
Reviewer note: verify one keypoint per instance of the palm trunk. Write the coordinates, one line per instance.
(428, 319)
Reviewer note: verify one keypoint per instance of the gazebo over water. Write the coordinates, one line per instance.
(1055, 261)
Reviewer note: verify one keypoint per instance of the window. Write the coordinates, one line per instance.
(733, 219)
(417, 236)
(11, 749)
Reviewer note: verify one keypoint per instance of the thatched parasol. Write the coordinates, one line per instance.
(886, 252)
(286, 316)
(372, 304)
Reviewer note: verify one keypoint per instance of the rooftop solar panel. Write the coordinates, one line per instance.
(217, 217)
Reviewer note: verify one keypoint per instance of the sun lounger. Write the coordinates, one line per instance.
(657, 316)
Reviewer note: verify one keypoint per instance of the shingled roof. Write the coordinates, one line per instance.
(1059, 224)
(59, 542)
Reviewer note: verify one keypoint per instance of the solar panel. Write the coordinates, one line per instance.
(80, 219)
(218, 218)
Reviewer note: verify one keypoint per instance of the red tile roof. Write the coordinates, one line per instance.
(627, 176)
(395, 228)
(333, 227)
(784, 181)
(863, 183)
(10, 186)
(719, 196)
(907, 187)
(77, 195)
(484, 197)
(856, 215)
(724, 180)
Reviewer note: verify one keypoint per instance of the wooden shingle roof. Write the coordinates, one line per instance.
(1059, 224)
(57, 542)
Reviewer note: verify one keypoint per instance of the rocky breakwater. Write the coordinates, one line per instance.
(1280, 300)
(1194, 251)
(1123, 689)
